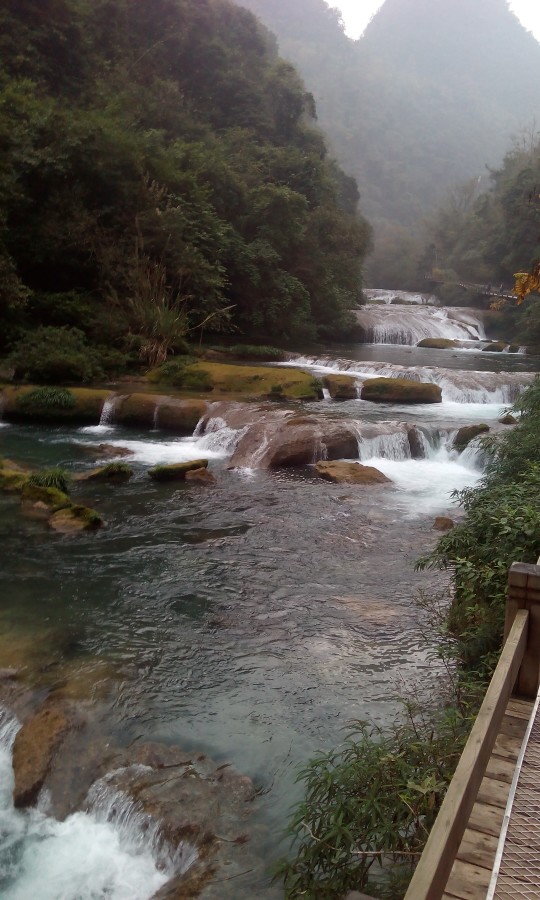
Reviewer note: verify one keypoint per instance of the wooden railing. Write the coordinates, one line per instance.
(518, 671)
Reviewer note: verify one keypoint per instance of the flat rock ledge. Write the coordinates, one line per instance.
(350, 473)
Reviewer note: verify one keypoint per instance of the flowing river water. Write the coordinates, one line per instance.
(251, 621)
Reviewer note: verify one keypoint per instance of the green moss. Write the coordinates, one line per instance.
(400, 390)
(74, 518)
(176, 471)
(340, 387)
(45, 402)
(51, 478)
(79, 405)
(260, 353)
(50, 496)
(114, 471)
(12, 480)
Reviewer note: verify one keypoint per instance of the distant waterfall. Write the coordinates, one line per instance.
(408, 325)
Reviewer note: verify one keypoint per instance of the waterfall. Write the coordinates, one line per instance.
(114, 849)
(385, 446)
(409, 325)
(378, 295)
(458, 386)
(107, 413)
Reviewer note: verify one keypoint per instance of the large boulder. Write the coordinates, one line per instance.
(179, 416)
(466, 434)
(36, 745)
(400, 390)
(350, 473)
(416, 443)
(294, 441)
(438, 343)
(340, 387)
(176, 471)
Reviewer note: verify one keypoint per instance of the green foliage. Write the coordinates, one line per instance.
(370, 801)
(45, 400)
(55, 355)
(501, 525)
(115, 469)
(254, 352)
(197, 380)
(159, 173)
(50, 478)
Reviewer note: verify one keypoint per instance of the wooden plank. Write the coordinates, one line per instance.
(501, 769)
(513, 727)
(468, 881)
(478, 848)
(431, 875)
(520, 708)
(485, 818)
(493, 792)
(507, 747)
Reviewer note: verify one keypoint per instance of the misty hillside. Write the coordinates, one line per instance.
(429, 96)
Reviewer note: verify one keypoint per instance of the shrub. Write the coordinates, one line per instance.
(45, 401)
(50, 478)
(55, 355)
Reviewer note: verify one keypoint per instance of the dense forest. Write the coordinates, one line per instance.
(160, 170)
(429, 96)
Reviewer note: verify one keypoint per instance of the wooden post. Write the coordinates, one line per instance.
(524, 593)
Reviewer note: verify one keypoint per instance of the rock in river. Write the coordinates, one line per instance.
(351, 473)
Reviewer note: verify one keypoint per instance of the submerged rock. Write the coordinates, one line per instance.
(400, 390)
(176, 471)
(106, 451)
(466, 434)
(201, 476)
(74, 519)
(36, 745)
(115, 472)
(443, 523)
(495, 347)
(438, 343)
(350, 473)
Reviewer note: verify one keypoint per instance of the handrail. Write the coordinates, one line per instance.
(431, 875)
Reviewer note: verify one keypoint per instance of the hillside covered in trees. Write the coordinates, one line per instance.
(429, 96)
(159, 169)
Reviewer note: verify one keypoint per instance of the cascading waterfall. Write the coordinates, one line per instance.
(379, 295)
(107, 413)
(409, 325)
(112, 850)
(457, 386)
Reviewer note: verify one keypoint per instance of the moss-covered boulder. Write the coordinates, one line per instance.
(438, 343)
(466, 434)
(49, 497)
(340, 387)
(12, 477)
(116, 472)
(74, 519)
(176, 471)
(443, 523)
(495, 347)
(257, 381)
(180, 416)
(508, 419)
(82, 406)
(350, 473)
(400, 390)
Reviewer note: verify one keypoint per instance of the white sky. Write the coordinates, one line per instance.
(357, 13)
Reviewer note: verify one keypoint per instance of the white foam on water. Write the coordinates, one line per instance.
(155, 453)
(96, 429)
(423, 486)
(108, 853)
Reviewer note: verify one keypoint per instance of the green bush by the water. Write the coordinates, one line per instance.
(50, 478)
(44, 401)
(373, 800)
(52, 355)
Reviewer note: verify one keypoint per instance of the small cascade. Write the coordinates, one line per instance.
(2, 423)
(404, 325)
(114, 849)
(458, 386)
(326, 394)
(218, 437)
(381, 296)
(107, 413)
(385, 446)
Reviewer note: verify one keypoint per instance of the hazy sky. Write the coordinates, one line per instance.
(357, 13)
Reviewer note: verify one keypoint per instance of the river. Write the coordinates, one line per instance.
(250, 621)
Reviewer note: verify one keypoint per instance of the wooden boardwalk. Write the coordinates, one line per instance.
(485, 843)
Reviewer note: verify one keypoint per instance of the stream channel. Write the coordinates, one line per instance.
(252, 620)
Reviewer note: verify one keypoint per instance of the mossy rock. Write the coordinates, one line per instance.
(340, 387)
(466, 434)
(513, 348)
(350, 473)
(400, 390)
(48, 496)
(176, 471)
(116, 472)
(180, 416)
(257, 381)
(74, 519)
(508, 419)
(495, 347)
(81, 406)
(438, 343)
(12, 480)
